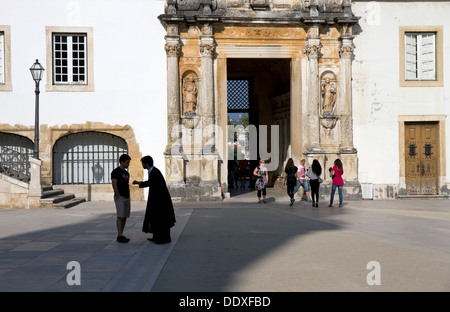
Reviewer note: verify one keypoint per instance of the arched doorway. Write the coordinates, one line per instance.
(86, 157)
(258, 94)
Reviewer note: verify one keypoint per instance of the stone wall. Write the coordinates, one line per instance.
(47, 139)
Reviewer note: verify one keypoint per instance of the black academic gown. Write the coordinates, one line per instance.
(159, 215)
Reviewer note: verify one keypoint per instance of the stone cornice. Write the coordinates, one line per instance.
(235, 12)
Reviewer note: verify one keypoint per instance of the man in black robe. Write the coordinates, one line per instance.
(159, 215)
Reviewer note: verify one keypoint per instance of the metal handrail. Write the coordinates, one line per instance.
(14, 164)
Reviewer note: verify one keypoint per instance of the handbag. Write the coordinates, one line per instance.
(320, 180)
(259, 184)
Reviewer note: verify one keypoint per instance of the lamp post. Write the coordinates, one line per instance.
(36, 72)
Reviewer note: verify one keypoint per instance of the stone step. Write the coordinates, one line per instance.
(423, 196)
(47, 188)
(51, 193)
(57, 198)
(69, 203)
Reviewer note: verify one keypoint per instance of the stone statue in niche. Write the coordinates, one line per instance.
(328, 90)
(190, 91)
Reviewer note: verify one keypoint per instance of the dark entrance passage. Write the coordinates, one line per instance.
(258, 94)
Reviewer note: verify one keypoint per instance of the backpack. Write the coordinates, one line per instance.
(291, 179)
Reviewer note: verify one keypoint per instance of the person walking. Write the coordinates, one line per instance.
(261, 181)
(336, 172)
(302, 178)
(159, 214)
(314, 173)
(242, 172)
(120, 183)
(290, 179)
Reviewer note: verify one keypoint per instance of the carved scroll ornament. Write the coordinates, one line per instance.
(172, 49)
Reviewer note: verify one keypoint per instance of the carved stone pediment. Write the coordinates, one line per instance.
(188, 5)
(279, 11)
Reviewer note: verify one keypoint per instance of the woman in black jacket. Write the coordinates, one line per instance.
(290, 179)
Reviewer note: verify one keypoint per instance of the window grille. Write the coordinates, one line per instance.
(2, 57)
(412, 150)
(87, 158)
(69, 59)
(14, 152)
(428, 152)
(420, 59)
(238, 94)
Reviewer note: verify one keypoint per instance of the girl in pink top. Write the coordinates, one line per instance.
(338, 182)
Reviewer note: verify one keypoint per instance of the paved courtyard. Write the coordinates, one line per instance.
(235, 245)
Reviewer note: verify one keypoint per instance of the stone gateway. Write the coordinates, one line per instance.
(297, 57)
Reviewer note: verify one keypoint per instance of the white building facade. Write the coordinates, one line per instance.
(107, 90)
(399, 111)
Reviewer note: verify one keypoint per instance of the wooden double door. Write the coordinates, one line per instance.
(422, 158)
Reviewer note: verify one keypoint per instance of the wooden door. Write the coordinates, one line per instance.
(422, 154)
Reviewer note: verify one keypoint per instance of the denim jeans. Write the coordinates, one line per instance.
(333, 190)
(290, 191)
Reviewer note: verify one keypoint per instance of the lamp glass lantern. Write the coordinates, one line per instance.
(37, 71)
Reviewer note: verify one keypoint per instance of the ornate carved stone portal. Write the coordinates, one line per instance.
(298, 55)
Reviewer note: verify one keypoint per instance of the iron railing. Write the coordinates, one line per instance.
(86, 158)
(14, 164)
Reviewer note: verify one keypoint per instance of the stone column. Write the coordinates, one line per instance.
(173, 48)
(312, 51)
(209, 175)
(207, 50)
(173, 153)
(35, 188)
(347, 151)
(345, 111)
(296, 120)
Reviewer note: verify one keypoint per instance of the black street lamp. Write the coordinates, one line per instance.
(36, 71)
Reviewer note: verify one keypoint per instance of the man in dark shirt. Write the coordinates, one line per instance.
(120, 178)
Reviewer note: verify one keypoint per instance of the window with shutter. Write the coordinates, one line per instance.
(420, 56)
(2, 58)
(411, 56)
(428, 57)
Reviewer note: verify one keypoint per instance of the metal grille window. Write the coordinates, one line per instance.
(412, 150)
(420, 59)
(86, 158)
(428, 148)
(69, 59)
(14, 152)
(238, 94)
(2, 57)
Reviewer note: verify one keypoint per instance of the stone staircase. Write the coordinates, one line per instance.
(52, 198)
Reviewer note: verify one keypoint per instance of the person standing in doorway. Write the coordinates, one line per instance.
(290, 179)
(302, 177)
(120, 182)
(159, 214)
(261, 181)
(314, 173)
(336, 172)
(242, 172)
